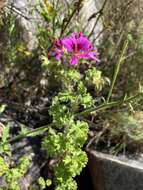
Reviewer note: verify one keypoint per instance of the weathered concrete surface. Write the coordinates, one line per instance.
(89, 8)
(27, 18)
(112, 173)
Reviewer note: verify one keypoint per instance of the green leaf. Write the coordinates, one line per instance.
(48, 182)
(2, 108)
(5, 135)
(3, 166)
(42, 182)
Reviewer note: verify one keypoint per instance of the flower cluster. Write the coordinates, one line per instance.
(77, 46)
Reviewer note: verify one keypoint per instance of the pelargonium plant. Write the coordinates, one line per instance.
(72, 100)
(68, 132)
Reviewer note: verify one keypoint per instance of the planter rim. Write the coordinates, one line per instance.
(136, 164)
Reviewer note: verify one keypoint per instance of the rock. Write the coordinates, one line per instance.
(115, 173)
(89, 8)
(27, 18)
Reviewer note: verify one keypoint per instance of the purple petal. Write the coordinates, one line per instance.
(77, 42)
(75, 35)
(68, 44)
(94, 55)
(84, 56)
(74, 60)
(59, 53)
(58, 43)
(84, 44)
(58, 57)
(58, 49)
(90, 55)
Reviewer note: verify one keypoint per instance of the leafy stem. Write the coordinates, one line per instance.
(107, 105)
(116, 72)
(86, 112)
(30, 133)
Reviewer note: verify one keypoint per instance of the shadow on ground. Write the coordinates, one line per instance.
(84, 180)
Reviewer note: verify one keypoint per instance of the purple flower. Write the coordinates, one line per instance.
(58, 49)
(77, 46)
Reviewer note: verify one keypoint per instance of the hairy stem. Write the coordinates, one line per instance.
(107, 105)
(30, 133)
(116, 72)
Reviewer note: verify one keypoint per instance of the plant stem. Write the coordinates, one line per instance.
(83, 113)
(116, 72)
(40, 130)
(107, 105)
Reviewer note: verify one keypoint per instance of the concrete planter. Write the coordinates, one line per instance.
(113, 173)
